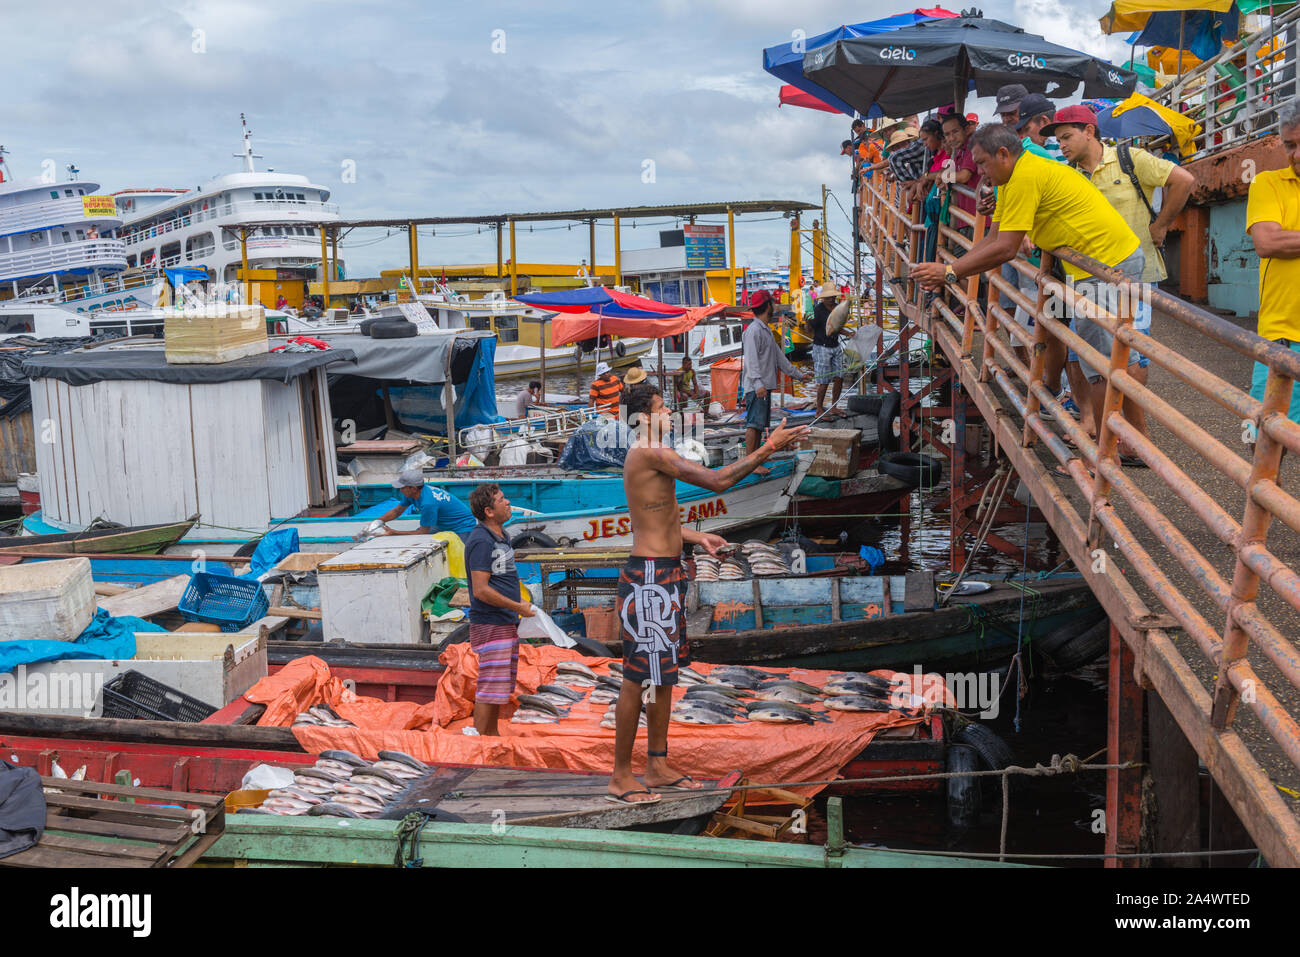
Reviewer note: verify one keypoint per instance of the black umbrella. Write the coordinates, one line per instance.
(917, 68)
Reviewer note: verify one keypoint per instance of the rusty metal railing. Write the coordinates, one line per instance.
(1219, 605)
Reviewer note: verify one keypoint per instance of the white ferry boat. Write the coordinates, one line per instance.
(76, 263)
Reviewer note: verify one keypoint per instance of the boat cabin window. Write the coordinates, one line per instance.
(257, 196)
(481, 322)
(724, 335)
(507, 328)
(67, 192)
(10, 324)
(54, 194)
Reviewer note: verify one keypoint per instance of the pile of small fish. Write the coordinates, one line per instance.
(764, 559)
(706, 568)
(731, 571)
(726, 695)
(324, 716)
(716, 698)
(342, 784)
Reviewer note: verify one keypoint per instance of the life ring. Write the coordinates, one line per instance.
(620, 350)
(916, 469)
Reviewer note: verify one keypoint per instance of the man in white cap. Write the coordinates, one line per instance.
(439, 510)
(606, 389)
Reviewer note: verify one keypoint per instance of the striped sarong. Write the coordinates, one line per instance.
(497, 647)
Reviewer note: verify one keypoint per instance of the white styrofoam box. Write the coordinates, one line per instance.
(50, 601)
(215, 668)
(371, 593)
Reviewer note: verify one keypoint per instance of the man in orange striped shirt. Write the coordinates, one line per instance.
(605, 390)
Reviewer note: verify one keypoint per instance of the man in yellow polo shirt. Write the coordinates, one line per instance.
(1055, 206)
(1273, 222)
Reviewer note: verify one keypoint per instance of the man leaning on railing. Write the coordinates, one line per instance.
(1054, 206)
(1273, 222)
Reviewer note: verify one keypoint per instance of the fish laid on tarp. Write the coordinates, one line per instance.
(401, 757)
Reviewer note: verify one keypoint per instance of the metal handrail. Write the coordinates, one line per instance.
(978, 336)
(134, 235)
(552, 423)
(1209, 97)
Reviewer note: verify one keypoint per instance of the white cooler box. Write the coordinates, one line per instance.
(371, 593)
(46, 601)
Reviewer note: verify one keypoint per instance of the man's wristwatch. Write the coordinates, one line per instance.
(950, 276)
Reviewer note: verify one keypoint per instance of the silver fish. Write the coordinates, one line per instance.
(527, 716)
(365, 791)
(338, 767)
(346, 757)
(322, 774)
(699, 716)
(333, 809)
(600, 696)
(398, 770)
(538, 703)
(787, 694)
(574, 668)
(296, 794)
(851, 702)
(779, 716)
(401, 757)
(372, 774)
(616, 667)
(561, 691)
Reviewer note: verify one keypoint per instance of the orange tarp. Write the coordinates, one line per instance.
(767, 753)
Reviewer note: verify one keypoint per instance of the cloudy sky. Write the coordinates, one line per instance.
(449, 109)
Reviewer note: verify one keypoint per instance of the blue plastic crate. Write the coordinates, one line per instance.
(221, 600)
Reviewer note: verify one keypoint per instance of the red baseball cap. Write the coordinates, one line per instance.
(1071, 114)
(759, 298)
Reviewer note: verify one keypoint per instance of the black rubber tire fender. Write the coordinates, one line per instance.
(620, 350)
(393, 329)
(886, 420)
(247, 548)
(364, 326)
(914, 468)
(533, 540)
(1070, 646)
(865, 404)
(995, 753)
(964, 792)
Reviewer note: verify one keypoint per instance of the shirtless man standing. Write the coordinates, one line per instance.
(652, 586)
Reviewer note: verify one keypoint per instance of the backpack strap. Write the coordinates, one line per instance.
(1126, 164)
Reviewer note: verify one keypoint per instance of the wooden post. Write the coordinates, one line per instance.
(243, 254)
(324, 268)
(1123, 744)
(415, 258)
(499, 262)
(541, 343)
(1175, 825)
(731, 253)
(591, 246)
(334, 252)
(514, 266)
(618, 259)
(449, 403)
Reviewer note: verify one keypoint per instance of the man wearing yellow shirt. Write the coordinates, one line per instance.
(1055, 206)
(1273, 222)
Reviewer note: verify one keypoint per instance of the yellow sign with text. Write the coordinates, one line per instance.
(98, 207)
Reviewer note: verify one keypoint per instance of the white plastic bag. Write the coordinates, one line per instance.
(865, 342)
(266, 777)
(540, 625)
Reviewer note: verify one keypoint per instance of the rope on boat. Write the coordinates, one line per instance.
(408, 840)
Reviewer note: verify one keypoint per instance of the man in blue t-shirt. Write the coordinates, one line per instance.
(439, 510)
(494, 605)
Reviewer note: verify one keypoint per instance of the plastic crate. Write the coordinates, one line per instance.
(133, 695)
(221, 600)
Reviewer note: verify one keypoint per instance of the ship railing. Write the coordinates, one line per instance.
(87, 290)
(1209, 603)
(249, 207)
(49, 215)
(1238, 94)
(81, 254)
(541, 424)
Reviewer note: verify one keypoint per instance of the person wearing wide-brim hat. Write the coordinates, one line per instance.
(907, 155)
(827, 353)
(634, 375)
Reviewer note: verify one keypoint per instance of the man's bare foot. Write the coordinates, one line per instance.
(660, 774)
(626, 789)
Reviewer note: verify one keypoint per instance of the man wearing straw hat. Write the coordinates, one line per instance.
(828, 354)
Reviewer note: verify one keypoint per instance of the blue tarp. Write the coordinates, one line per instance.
(275, 545)
(420, 406)
(105, 637)
(783, 62)
(1202, 31)
(178, 274)
(598, 444)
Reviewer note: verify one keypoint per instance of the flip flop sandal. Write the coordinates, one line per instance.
(622, 798)
(677, 785)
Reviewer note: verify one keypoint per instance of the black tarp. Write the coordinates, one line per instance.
(22, 809)
(918, 68)
(84, 368)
